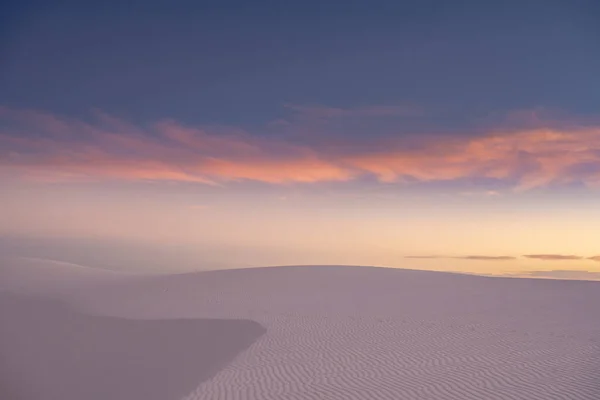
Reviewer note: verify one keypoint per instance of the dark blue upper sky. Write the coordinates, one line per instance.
(239, 62)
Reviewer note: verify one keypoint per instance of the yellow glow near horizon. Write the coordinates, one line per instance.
(266, 229)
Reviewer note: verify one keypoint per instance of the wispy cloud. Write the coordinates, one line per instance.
(424, 257)
(481, 193)
(553, 257)
(561, 274)
(471, 257)
(488, 258)
(48, 147)
(544, 257)
(531, 158)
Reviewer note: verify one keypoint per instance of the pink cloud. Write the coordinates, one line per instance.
(43, 146)
(113, 149)
(533, 158)
(277, 171)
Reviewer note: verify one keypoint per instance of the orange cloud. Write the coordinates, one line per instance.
(44, 146)
(561, 274)
(278, 171)
(488, 258)
(113, 149)
(532, 158)
(553, 257)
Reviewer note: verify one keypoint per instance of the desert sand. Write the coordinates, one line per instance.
(69, 332)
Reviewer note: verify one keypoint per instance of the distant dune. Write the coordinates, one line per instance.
(317, 332)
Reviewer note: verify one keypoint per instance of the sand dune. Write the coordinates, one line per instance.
(49, 351)
(348, 333)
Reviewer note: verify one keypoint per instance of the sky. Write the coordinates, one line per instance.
(154, 135)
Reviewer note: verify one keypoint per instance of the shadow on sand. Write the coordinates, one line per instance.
(51, 352)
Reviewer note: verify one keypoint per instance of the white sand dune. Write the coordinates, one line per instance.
(51, 352)
(332, 332)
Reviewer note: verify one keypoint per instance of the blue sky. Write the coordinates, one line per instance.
(235, 62)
